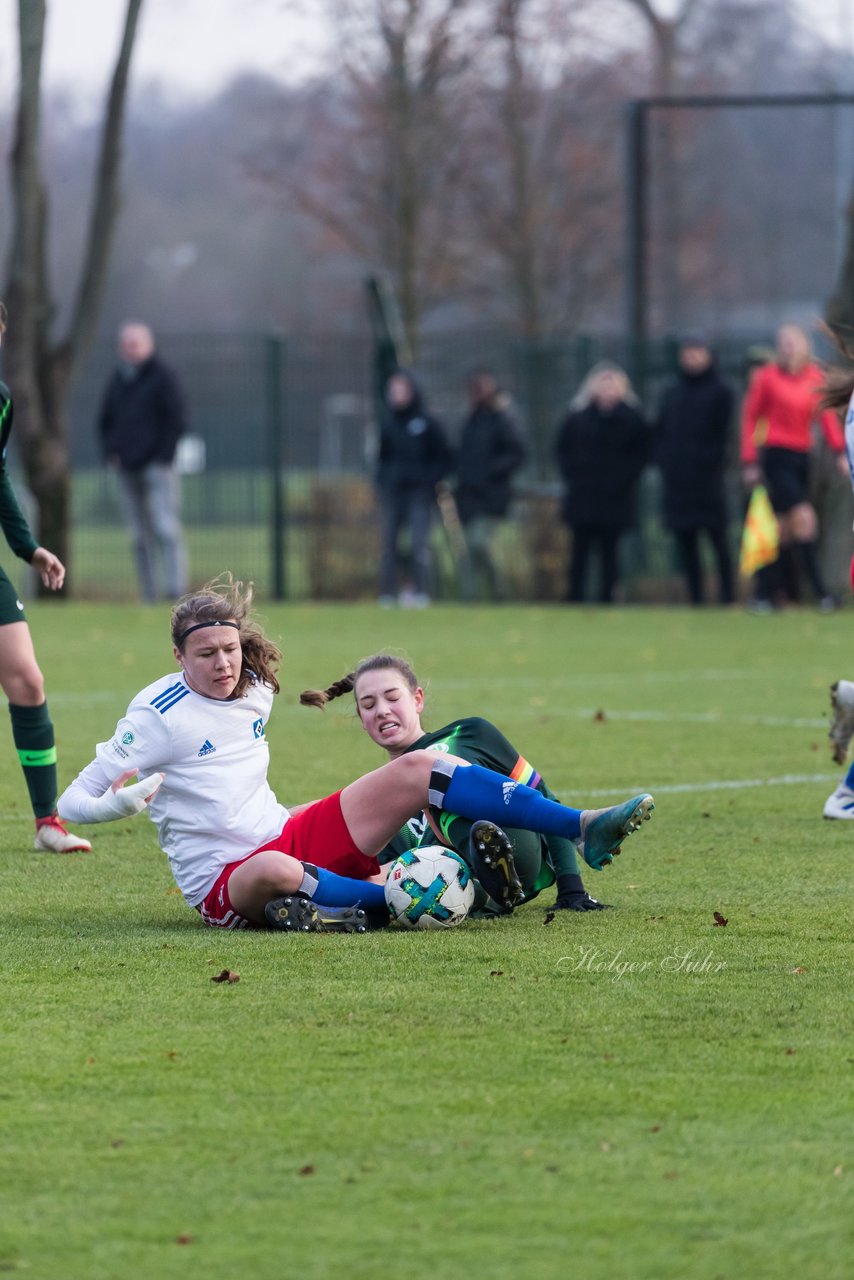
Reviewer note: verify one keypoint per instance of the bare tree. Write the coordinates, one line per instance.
(383, 177)
(39, 367)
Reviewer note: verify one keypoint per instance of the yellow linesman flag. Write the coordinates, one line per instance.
(759, 538)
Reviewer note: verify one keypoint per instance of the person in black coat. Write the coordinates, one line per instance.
(141, 421)
(691, 440)
(602, 448)
(414, 455)
(490, 452)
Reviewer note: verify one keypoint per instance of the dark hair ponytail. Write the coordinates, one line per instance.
(377, 662)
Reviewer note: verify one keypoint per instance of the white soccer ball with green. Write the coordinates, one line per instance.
(429, 888)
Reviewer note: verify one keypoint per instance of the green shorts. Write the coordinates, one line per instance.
(11, 609)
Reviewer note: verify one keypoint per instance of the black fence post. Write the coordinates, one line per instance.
(636, 240)
(275, 360)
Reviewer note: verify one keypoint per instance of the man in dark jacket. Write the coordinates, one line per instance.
(141, 421)
(491, 450)
(692, 435)
(414, 455)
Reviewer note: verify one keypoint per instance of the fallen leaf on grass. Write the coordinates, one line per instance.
(655, 1128)
(549, 916)
(117, 1142)
(721, 920)
(599, 717)
(789, 1052)
(837, 1172)
(496, 973)
(671, 1176)
(306, 1170)
(800, 969)
(183, 1239)
(227, 975)
(705, 815)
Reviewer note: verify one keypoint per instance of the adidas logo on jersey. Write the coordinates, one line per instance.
(207, 748)
(507, 789)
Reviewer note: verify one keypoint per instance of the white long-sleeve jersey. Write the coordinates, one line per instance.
(215, 804)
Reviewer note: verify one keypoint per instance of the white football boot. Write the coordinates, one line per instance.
(53, 837)
(840, 804)
(842, 726)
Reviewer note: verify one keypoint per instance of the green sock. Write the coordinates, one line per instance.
(32, 731)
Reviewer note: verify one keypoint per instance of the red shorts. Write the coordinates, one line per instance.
(318, 834)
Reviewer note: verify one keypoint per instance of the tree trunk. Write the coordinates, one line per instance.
(38, 369)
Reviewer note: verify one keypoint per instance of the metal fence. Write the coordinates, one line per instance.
(277, 484)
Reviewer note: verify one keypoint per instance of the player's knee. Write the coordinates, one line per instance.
(25, 688)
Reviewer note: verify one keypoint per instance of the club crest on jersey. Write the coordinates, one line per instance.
(258, 729)
(207, 748)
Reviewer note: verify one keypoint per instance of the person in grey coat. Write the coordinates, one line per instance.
(141, 421)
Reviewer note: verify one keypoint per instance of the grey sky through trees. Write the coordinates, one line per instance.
(192, 47)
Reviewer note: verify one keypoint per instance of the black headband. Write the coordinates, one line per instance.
(197, 626)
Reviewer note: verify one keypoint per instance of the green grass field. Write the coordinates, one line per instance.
(635, 1093)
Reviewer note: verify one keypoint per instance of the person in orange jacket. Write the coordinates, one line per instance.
(782, 403)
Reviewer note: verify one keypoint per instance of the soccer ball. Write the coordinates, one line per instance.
(429, 888)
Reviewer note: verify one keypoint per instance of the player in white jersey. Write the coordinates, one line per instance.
(238, 856)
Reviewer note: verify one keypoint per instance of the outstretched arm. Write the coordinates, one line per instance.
(92, 797)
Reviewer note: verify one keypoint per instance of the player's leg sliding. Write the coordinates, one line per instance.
(470, 790)
(329, 903)
(491, 856)
(840, 803)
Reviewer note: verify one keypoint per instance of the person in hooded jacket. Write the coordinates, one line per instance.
(692, 434)
(414, 455)
(601, 448)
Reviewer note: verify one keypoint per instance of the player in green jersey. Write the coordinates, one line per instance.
(512, 867)
(20, 677)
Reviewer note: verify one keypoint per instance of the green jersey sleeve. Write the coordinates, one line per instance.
(12, 521)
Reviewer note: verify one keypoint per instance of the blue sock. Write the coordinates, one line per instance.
(342, 891)
(475, 792)
(849, 778)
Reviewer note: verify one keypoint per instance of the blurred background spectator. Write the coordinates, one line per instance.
(691, 439)
(490, 452)
(602, 448)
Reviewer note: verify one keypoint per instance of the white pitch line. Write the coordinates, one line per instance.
(705, 717)
(722, 784)
(508, 677)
